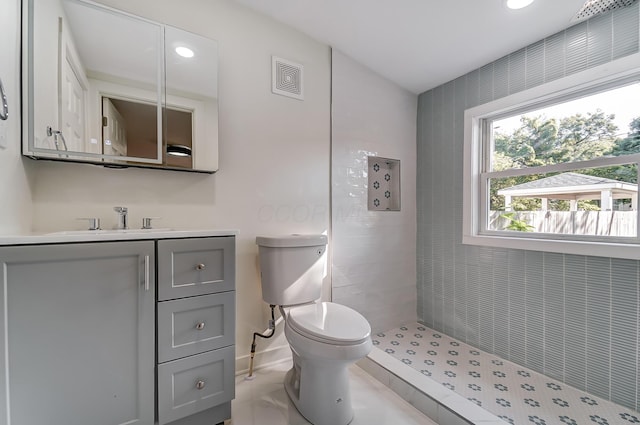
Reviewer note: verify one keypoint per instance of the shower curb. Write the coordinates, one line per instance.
(441, 404)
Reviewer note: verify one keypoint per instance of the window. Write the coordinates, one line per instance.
(555, 168)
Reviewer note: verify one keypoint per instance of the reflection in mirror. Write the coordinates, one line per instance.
(191, 113)
(111, 88)
(124, 120)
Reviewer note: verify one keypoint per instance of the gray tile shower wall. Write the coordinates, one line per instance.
(571, 317)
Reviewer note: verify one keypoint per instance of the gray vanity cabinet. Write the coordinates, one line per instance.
(196, 330)
(79, 328)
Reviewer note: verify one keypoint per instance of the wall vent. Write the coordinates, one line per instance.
(592, 8)
(286, 78)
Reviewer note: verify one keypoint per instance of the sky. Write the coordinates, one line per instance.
(624, 102)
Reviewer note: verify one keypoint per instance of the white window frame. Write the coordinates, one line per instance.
(475, 197)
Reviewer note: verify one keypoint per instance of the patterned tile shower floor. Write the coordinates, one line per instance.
(511, 392)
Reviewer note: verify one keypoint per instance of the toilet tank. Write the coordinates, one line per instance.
(292, 268)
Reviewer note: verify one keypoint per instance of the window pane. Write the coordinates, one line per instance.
(603, 124)
(599, 201)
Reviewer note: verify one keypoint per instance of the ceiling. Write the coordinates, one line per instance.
(420, 44)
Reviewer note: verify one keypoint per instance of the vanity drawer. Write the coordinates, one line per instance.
(189, 267)
(194, 325)
(195, 383)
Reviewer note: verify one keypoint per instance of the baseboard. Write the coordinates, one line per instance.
(265, 358)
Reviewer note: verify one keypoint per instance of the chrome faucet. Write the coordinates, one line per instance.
(122, 218)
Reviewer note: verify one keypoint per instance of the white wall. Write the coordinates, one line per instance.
(374, 252)
(274, 166)
(15, 193)
(274, 155)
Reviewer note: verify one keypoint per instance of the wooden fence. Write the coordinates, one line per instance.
(606, 223)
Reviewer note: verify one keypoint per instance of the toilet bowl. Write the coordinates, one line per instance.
(325, 338)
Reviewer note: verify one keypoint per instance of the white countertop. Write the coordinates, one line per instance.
(109, 235)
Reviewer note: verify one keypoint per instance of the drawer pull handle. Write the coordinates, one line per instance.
(200, 384)
(200, 326)
(146, 272)
(201, 266)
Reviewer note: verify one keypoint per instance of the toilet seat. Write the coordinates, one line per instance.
(329, 323)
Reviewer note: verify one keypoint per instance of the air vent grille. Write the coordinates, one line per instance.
(287, 78)
(592, 8)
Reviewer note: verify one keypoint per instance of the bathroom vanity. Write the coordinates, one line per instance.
(118, 328)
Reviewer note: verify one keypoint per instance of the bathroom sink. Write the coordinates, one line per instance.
(109, 231)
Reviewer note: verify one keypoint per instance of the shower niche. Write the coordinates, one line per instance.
(383, 192)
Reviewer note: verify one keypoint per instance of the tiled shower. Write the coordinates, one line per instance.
(373, 157)
(573, 318)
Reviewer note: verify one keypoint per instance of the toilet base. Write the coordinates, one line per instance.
(320, 394)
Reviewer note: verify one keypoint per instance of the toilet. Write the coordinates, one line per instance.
(325, 338)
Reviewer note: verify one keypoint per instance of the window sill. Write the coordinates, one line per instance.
(599, 249)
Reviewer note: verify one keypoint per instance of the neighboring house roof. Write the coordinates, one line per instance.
(587, 187)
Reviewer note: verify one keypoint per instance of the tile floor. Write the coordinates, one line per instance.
(511, 392)
(263, 401)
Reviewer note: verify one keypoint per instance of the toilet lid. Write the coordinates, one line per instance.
(331, 322)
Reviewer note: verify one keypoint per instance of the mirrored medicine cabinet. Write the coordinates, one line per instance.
(106, 87)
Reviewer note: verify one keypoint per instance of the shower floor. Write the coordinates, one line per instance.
(513, 393)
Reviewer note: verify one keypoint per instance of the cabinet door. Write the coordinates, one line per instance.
(79, 332)
(190, 267)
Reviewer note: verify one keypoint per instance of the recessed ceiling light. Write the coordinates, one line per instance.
(518, 4)
(185, 52)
